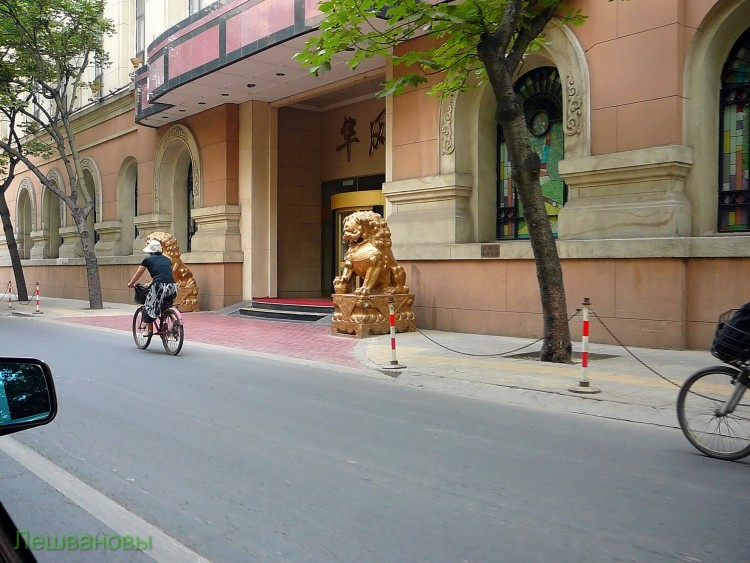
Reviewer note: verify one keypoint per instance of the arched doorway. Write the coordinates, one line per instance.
(127, 205)
(177, 183)
(51, 222)
(92, 217)
(541, 91)
(24, 220)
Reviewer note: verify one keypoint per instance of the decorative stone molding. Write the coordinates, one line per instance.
(28, 187)
(564, 50)
(71, 246)
(218, 229)
(573, 108)
(432, 194)
(632, 194)
(109, 238)
(40, 248)
(447, 125)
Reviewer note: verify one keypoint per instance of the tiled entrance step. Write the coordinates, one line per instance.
(288, 309)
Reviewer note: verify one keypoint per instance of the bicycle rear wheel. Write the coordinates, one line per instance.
(699, 404)
(172, 332)
(141, 334)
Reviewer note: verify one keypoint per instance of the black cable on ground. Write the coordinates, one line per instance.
(644, 364)
(489, 355)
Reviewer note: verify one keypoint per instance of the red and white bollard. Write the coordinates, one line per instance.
(583, 385)
(392, 317)
(36, 295)
(10, 295)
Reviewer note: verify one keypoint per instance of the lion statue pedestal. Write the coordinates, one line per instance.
(369, 315)
(370, 280)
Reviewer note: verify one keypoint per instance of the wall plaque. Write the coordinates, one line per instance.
(490, 251)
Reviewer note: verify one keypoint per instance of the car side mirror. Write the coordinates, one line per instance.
(27, 394)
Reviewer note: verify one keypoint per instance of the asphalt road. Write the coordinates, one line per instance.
(231, 458)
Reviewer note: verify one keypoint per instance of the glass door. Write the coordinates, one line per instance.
(343, 205)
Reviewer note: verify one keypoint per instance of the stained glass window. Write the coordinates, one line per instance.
(734, 149)
(541, 92)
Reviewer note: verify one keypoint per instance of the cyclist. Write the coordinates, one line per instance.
(163, 288)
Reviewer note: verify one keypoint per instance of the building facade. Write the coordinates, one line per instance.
(207, 128)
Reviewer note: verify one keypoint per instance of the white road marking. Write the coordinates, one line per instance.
(163, 547)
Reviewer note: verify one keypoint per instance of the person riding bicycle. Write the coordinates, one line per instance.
(163, 288)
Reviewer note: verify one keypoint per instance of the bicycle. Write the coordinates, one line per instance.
(169, 326)
(710, 409)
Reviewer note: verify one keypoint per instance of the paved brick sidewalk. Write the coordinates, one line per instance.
(307, 341)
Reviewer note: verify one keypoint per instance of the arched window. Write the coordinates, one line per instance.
(541, 92)
(734, 142)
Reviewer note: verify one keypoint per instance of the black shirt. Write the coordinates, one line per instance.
(159, 267)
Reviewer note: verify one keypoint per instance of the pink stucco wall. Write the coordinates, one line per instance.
(415, 128)
(658, 303)
(636, 51)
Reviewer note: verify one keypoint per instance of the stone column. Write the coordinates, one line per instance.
(630, 194)
(109, 238)
(218, 229)
(148, 224)
(258, 156)
(40, 248)
(430, 209)
(71, 246)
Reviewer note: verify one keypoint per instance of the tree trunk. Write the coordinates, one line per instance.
(510, 115)
(15, 258)
(89, 255)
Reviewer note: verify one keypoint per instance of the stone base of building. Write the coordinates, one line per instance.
(369, 315)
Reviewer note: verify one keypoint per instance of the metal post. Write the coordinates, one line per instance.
(10, 295)
(36, 293)
(583, 385)
(392, 317)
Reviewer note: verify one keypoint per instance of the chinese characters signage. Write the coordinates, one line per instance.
(349, 135)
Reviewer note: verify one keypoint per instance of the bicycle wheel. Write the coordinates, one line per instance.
(141, 335)
(172, 332)
(699, 403)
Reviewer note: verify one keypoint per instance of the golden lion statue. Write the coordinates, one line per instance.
(369, 257)
(187, 288)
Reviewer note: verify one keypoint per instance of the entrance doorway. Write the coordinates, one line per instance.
(341, 198)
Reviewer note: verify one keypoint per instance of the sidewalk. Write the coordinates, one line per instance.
(440, 361)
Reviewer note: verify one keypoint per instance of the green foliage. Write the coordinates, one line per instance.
(45, 48)
(372, 28)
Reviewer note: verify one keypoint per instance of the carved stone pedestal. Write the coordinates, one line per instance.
(365, 315)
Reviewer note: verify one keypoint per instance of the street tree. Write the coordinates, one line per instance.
(47, 46)
(475, 42)
(8, 163)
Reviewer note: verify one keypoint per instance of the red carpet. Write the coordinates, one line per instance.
(295, 301)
